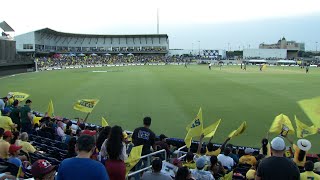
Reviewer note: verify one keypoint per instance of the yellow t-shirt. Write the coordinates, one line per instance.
(190, 165)
(309, 175)
(296, 154)
(4, 149)
(26, 146)
(248, 159)
(213, 153)
(268, 150)
(6, 123)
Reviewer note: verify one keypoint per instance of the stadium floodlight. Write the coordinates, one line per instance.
(120, 54)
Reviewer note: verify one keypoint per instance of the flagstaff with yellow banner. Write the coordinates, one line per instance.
(50, 111)
(104, 122)
(133, 158)
(239, 130)
(209, 131)
(195, 128)
(20, 96)
(303, 130)
(312, 109)
(86, 106)
(281, 125)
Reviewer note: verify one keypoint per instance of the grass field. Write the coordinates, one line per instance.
(172, 95)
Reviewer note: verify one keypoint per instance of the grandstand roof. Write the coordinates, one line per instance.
(51, 31)
(5, 26)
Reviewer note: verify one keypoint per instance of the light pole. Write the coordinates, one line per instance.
(317, 47)
(192, 49)
(199, 48)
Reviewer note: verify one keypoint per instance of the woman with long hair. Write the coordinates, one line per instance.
(116, 154)
(183, 173)
(103, 135)
(300, 152)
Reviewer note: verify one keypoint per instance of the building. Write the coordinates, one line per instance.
(46, 41)
(292, 47)
(7, 44)
(264, 53)
(204, 53)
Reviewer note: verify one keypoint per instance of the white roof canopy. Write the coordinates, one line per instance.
(5, 27)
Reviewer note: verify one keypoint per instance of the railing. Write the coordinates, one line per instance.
(148, 162)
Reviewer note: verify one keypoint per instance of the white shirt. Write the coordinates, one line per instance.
(226, 161)
(201, 174)
(2, 104)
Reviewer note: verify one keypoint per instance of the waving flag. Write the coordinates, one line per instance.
(133, 158)
(20, 96)
(86, 105)
(303, 130)
(50, 110)
(238, 131)
(280, 123)
(104, 122)
(194, 129)
(312, 108)
(211, 130)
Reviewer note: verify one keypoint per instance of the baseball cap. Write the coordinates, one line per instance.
(6, 111)
(278, 144)
(41, 167)
(251, 174)
(248, 150)
(88, 132)
(162, 136)
(201, 162)
(317, 166)
(14, 148)
(7, 134)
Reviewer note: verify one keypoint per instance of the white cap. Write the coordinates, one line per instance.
(248, 150)
(304, 144)
(278, 144)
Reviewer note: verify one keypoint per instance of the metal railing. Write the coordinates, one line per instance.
(148, 162)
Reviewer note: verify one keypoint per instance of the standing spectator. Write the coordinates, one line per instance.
(162, 144)
(5, 145)
(309, 174)
(5, 121)
(82, 167)
(277, 166)
(60, 130)
(71, 148)
(14, 155)
(26, 146)
(26, 117)
(103, 135)
(265, 149)
(300, 152)
(225, 160)
(155, 174)
(15, 114)
(247, 158)
(42, 169)
(212, 151)
(199, 173)
(3, 102)
(144, 136)
(116, 149)
(216, 168)
(233, 154)
(184, 173)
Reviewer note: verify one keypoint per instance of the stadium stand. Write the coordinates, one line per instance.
(168, 157)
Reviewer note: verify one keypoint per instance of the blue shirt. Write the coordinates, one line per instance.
(81, 168)
(15, 161)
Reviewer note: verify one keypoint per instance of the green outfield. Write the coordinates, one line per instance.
(172, 95)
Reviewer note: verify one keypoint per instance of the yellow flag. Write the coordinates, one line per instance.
(194, 129)
(19, 172)
(20, 96)
(281, 121)
(228, 176)
(211, 130)
(85, 105)
(133, 158)
(36, 120)
(238, 131)
(50, 110)
(303, 130)
(104, 122)
(312, 108)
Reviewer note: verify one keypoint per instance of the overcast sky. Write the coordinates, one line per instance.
(216, 24)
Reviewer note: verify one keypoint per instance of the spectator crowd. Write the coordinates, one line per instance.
(93, 152)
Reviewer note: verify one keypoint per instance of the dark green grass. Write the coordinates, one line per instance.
(172, 95)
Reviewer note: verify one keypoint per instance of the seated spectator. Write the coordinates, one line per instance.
(156, 173)
(5, 145)
(247, 158)
(189, 161)
(71, 148)
(60, 130)
(277, 166)
(14, 155)
(177, 162)
(251, 173)
(309, 174)
(163, 144)
(5, 121)
(116, 154)
(199, 173)
(317, 167)
(15, 137)
(67, 137)
(225, 160)
(233, 154)
(183, 173)
(26, 146)
(201, 151)
(103, 135)
(216, 168)
(43, 170)
(82, 167)
(7, 176)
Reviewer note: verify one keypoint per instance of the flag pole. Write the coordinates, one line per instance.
(85, 119)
